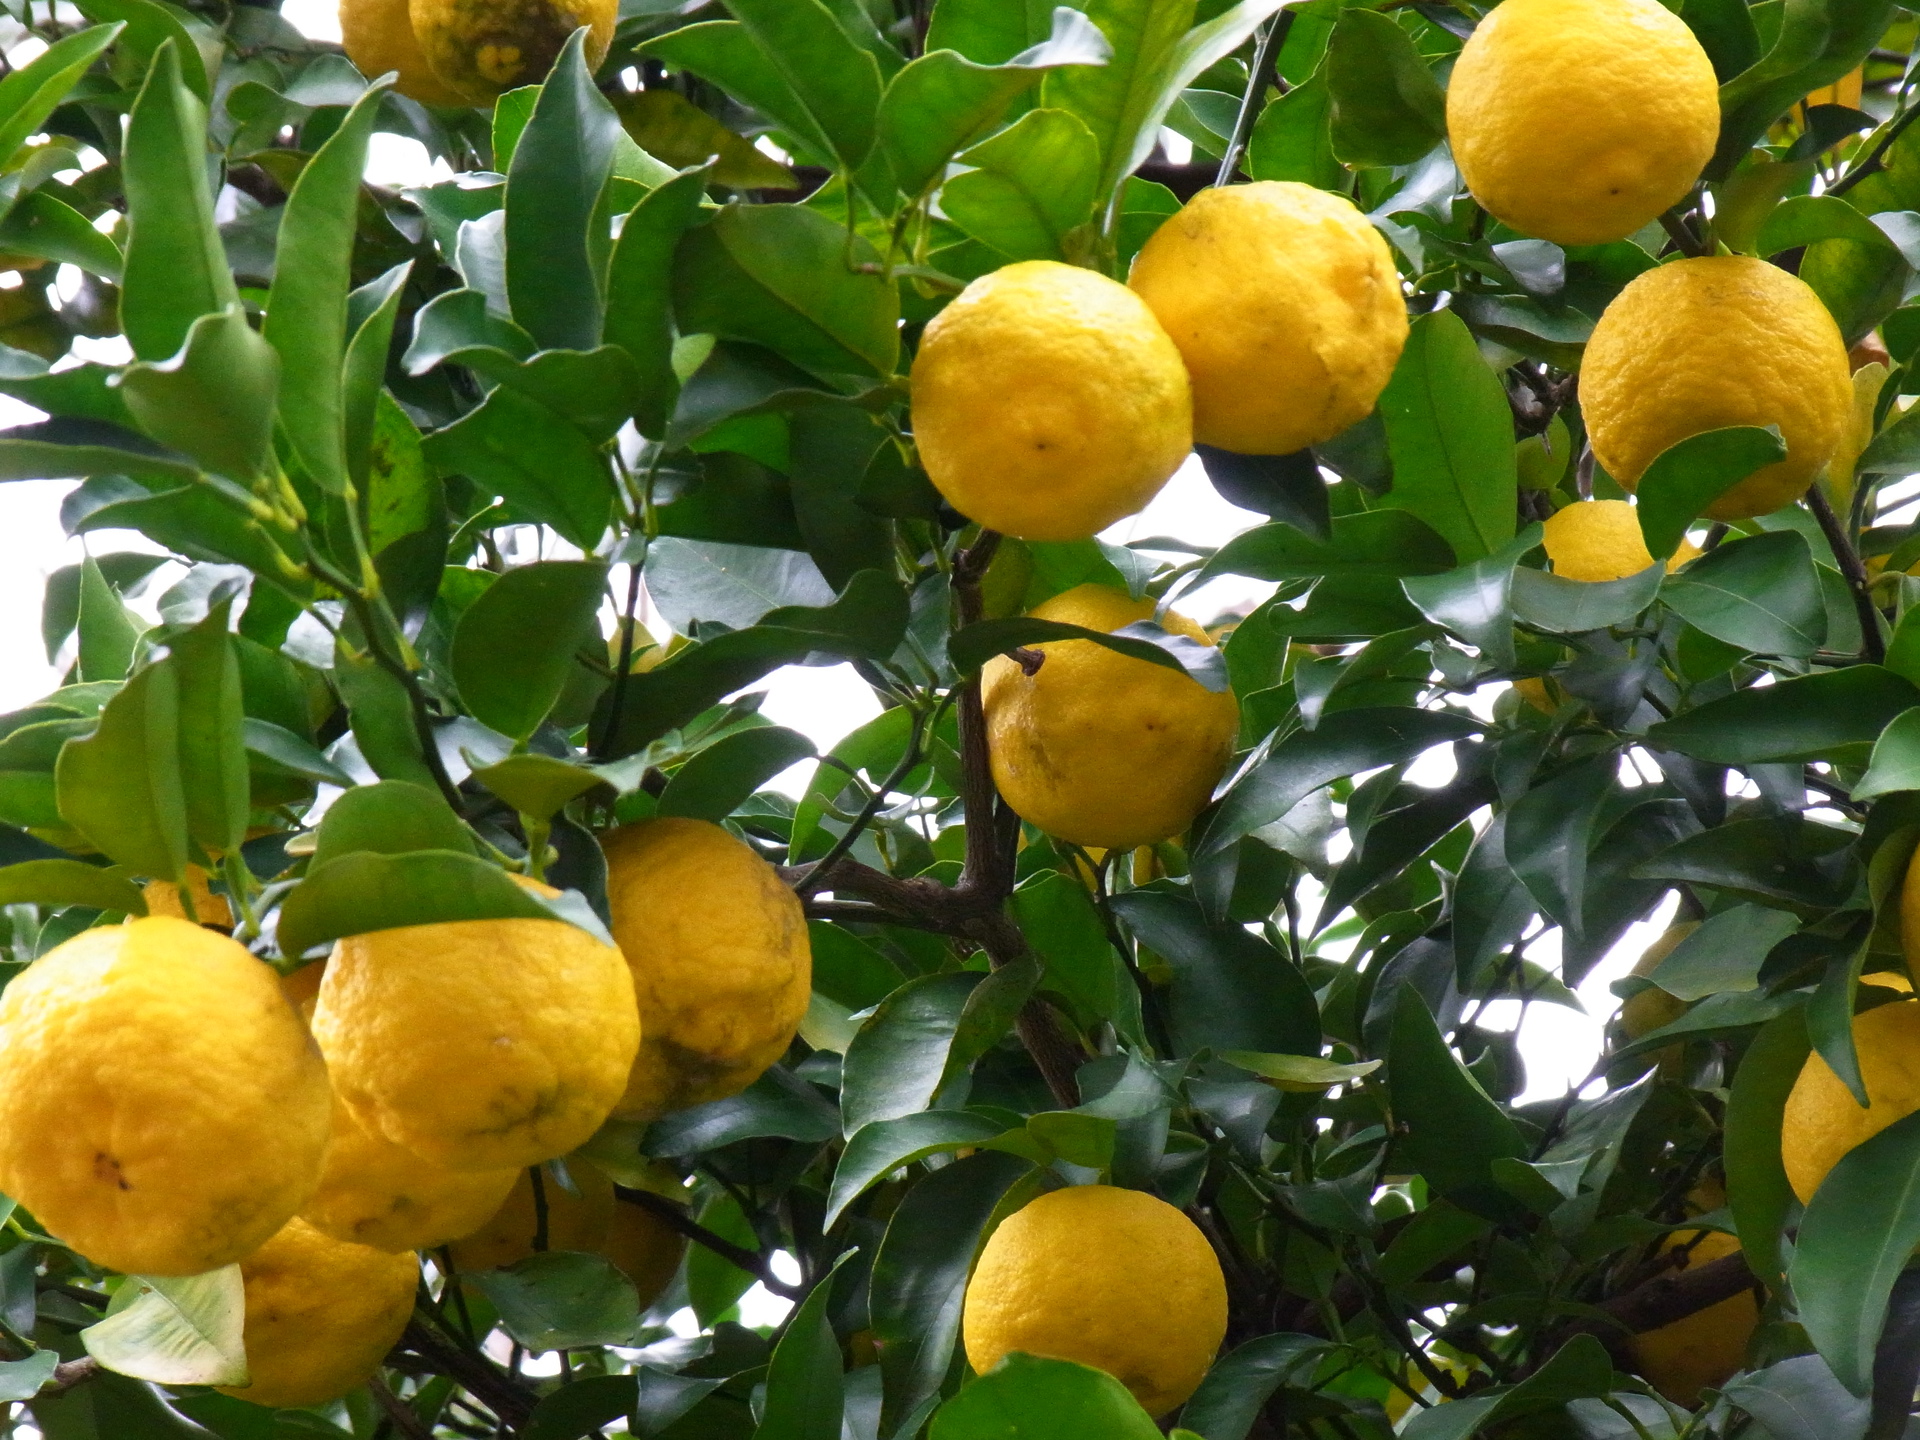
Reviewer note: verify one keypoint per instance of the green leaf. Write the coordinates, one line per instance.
(836, 81)
(1818, 42)
(556, 232)
(778, 275)
(639, 296)
(1393, 543)
(903, 1052)
(381, 713)
(214, 400)
(22, 1379)
(1476, 600)
(1387, 107)
(176, 267)
(68, 882)
(120, 787)
(366, 410)
(1570, 607)
(806, 1386)
(1856, 1237)
(776, 1105)
(1299, 1072)
(1293, 138)
(69, 449)
(1230, 1398)
(1453, 1132)
(563, 1300)
(723, 52)
(109, 632)
(367, 891)
(1580, 1369)
(920, 1271)
(149, 27)
(213, 752)
(717, 781)
(30, 94)
(1450, 434)
(942, 100)
(42, 225)
(536, 785)
(1760, 594)
(1724, 953)
(389, 818)
(1895, 764)
(1064, 931)
(1031, 185)
(544, 466)
(1026, 1397)
(1155, 57)
(1775, 859)
(175, 1331)
(281, 749)
(1690, 475)
(307, 307)
(880, 1147)
(1757, 1187)
(583, 1407)
(1834, 714)
(866, 622)
(981, 641)
(514, 646)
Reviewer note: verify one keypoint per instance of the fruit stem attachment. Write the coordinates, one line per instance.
(1265, 70)
(1873, 646)
(1683, 237)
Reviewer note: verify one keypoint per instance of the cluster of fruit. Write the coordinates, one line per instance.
(173, 1106)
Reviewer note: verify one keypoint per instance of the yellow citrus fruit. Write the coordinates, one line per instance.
(378, 37)
(1596, 540)
(1703, 344)
(1579, 121)
(1100, 748)
(574, 1222)
(1115, 1279)
(645, 1249)
(1540, 692)
(1645, 1011)
(478, 1044)
(1823, 1121)
(1844, 91)
(374, 1192)
(479, 49)
(321, 1315)
(1704, 1348)
(209, 909)
(164, 1112)
(722, 963)
(1048, 402)
(1285, 305)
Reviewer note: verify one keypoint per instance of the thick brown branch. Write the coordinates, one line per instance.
(492, 1387)
(69, 1373)
(750, 1261)
(1872, 646)
(1057, 1057)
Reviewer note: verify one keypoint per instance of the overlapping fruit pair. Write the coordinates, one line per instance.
(172, 1107)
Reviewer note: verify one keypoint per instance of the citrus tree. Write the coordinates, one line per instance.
(420, 1002)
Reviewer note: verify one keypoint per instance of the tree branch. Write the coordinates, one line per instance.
(500, 1393)
(408, 1424)
(1873, 646)
(750, 1261)
(1266, 65)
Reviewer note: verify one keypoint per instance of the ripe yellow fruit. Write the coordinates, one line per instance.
(1048, 402)
(479, 49)
(1596, 540)
(164, 1112)
(722, 963)
(378, 37)
(1705, 1348)
(374, 1192)
(209, 909)
(321, 1315)
(1579, 121)
(1099, 748)
(1823, 1121)
(1645, 1011)
(1116, 1279)
(478, 1044)
(1703, 344)
(574, 1222)
(1285, 305)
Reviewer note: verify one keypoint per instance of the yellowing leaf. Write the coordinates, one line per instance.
(670, 127)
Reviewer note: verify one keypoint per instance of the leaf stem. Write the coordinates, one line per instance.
(1266, 66)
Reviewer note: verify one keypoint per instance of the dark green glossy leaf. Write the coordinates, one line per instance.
(30, 93)
(1230, 1398)
(1293, 139)
(556, 233)
(307, 307)
(806, 1386)
(1724, 953)
(1476, 600)
(718, 780)
(1688, 476)
(286, 751)
(389, 818)
(1779, 860)
(213, 754)
(583, 1407)
(514, 646)
(214, 400)
(1816, 45)
(882, 1146)
(365, 891)
(639, 294)
(1834, 714)
(981, 641)
(176, 268)
(775, 1105)
(1387, 107)
(834, 79)
(562, 1300)
(1859, 1231)
(545, 467)
(1757, 1188)
(1567, 607)
(723, 52)
(1895, 764)
(1453, 1131)
(1450, 434)
(903, 1052)
(1391, 543)
(1030, 186)
(1549, 831)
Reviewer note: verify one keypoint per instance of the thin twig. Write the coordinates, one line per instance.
(398, 1411)
(751, 1261)
(1683, 237)
(1873, 646)
(1266, 64)
(1870, 162)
